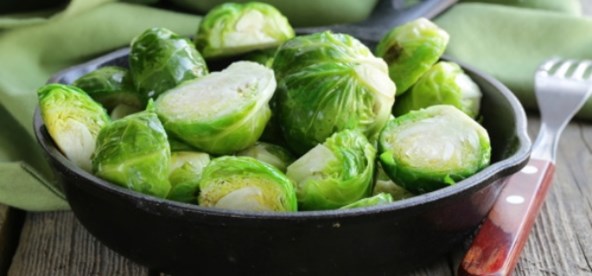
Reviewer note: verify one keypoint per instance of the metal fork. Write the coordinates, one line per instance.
(561, 88)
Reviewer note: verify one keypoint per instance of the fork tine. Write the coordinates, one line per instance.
(563, 68)
(548, 65)
(581, 69)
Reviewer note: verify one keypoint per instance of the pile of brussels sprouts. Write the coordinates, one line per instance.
(292, 123)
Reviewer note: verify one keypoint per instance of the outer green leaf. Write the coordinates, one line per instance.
(330, 82)
(160, 60)
(274, 155)
(378, 199)
(186, 169)
(133, 152)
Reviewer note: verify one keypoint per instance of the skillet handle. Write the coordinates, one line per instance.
(497, 245)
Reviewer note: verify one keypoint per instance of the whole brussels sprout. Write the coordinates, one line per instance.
(159, 60)
(111, 86)
(186, 169)
(220, 113)
(431, 148)
(410, 50)
(327, 83)
(378, 199)
(274, 155)
(73, 120)
(335, 173)
(245, 183)
(235, 28)
(444, 83)
(133, 152)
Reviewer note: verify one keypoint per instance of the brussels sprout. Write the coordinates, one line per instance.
(186, 169)
(177, 145)
(233, 28)
(111, 86)
(160, 59)
(383, 184)
(223, 112)
(122, 110)
(335, 173)
(133, 152)
(263, 57)
(73, 120)
(274, 155)
(410, 50)
(431, 148)
(245, 183)
(444, 83)
(379, 199)
(330, 82)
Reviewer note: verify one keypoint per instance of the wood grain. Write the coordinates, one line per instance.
(54, 243)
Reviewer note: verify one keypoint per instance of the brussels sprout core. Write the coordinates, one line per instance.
(430, 148)
(223, 112)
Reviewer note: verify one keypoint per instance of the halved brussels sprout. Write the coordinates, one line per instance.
(234, 28)
(133, 152)
(160, 59)
(411, 49)
(335, 173)
(383, 184)
(223, 112)
(431, 148)
(110, 86)
(73, 120)
(378, 199)
(245, 183)
(327, 83)
(444, 83)
(186, 169)
(274, 155)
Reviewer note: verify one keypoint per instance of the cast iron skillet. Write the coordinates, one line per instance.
(381, 240)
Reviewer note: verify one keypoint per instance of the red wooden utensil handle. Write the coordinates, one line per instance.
(496, 247)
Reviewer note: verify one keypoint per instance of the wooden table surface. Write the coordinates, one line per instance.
(54, 243)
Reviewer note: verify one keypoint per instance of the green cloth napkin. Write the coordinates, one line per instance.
(30, 53)
(505, 41)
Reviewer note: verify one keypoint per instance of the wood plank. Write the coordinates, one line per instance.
(54, 243)
(560, 243)
(11, 221)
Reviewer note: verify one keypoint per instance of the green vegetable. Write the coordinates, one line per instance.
(383, 184)
(263, 57)
(410, 50)
(160, 60)
(335, 173)
(232, 28)
(327, 83)
(431, 148)
(379, 199)
(186, 169)
(111, 86)
(244, 183)
(133, 152)
(73, 120)
(223, 112)
(444, 83)
(274, 155)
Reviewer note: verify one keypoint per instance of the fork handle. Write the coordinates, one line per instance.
(497, 245)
